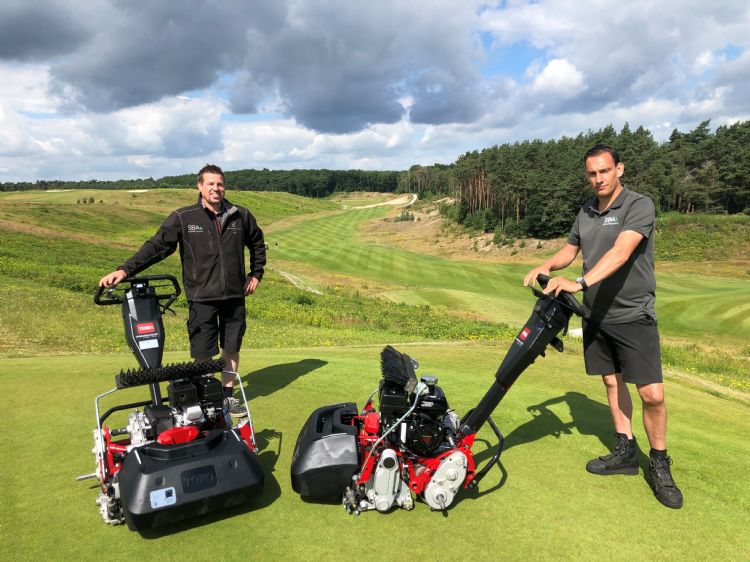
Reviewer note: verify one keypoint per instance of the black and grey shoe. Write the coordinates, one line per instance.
(234, 407)
(622, 460)
(662, 483)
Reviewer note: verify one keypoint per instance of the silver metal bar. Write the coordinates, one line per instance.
(247, 406)
(100, 451)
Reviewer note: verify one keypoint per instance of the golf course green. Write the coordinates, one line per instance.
(307, 349)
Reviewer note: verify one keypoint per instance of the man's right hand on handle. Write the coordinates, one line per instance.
(112, 278)
(530, 279)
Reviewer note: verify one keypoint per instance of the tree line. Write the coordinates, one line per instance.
(526, 188)
(536, 187)
(310, 183)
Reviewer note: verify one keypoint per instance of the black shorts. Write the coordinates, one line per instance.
(631, 349)
(215, 323)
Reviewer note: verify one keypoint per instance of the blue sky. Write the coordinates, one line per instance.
(147, 88)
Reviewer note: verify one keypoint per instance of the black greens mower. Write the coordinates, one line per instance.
(178, 456)
(414, 443)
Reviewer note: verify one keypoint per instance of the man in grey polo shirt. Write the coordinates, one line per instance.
(614, 230)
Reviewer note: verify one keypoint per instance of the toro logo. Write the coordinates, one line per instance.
(524, 333)
(145, 328)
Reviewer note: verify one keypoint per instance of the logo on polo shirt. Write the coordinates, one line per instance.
(611, 221)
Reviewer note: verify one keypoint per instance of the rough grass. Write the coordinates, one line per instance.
(700, 238)
(545, 508)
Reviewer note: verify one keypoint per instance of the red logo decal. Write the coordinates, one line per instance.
(524, 334)
(145, 328)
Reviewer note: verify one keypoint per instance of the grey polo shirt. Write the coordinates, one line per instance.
(628, 294)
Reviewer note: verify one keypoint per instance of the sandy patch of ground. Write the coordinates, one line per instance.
(430, 233)
(403, 201)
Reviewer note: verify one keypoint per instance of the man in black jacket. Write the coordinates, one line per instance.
(212, 236)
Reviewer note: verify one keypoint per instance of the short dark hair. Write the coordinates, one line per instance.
(598, 149)
(209, 169)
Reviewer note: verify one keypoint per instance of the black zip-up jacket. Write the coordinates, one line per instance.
(211, 250)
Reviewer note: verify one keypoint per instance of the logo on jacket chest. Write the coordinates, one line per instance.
(610, 221)
(194, 228)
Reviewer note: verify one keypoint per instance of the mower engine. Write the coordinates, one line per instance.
(195, 402)
(410, 445)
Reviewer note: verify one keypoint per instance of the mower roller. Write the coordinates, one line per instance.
(178, 456)
(414, 443)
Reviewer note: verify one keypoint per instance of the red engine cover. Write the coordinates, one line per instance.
(178, 435)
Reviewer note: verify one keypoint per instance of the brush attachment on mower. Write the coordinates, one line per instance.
(138, 377)
(398, 368)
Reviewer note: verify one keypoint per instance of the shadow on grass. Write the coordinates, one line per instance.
(268, 458)
(268, 380)
(589, 418)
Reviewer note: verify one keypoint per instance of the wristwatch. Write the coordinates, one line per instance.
(582, 282)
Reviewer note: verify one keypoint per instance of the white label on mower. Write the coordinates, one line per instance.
(163, 498)
(148, 344)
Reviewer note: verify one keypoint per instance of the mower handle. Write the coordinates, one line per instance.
(564, 298)
(146, 280)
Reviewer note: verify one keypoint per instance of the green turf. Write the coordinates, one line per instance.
(53, 250)
(714, 309)
(546, 507)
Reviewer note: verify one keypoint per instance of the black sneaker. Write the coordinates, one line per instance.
(662, 483)
(622, 460)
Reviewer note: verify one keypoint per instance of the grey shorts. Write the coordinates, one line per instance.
(215, 323)
(631, 349)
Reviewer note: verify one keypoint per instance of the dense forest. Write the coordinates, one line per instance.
(527, 188)
(536, 187)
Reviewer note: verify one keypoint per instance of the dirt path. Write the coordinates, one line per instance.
(297, 282)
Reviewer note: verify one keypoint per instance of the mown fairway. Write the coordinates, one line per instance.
(704, 319)
(305, 350)
(495, 291)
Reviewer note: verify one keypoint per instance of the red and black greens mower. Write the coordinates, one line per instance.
(414, 443)
(177, 456)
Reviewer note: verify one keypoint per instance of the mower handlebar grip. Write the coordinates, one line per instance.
(566, 298)
(111, 298)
